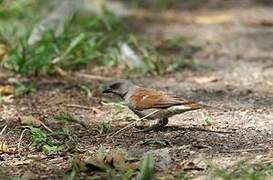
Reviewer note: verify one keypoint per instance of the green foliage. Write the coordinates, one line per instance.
(183, 176)
(207, 121)
(153, 142)
(52, 142)
(147, 168)
(104, 128)
(22, 89)
(100, 36)
(6, 176)
(14, 9)
(244, 171)
(68, 118)
(98, 43)
(129, 174)
(154, 4)
(52, 149)
(38, 136)
(101, 152)
(160, 5)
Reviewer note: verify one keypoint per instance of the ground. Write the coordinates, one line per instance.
(234, 74)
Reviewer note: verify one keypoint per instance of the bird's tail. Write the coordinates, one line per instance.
(194, 106)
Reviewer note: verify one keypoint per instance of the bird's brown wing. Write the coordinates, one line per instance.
(149, 98)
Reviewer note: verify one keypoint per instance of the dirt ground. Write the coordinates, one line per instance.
(234, 72)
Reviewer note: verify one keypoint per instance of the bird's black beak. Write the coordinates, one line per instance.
(107, 90)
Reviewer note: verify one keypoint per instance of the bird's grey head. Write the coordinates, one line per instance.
(119, 87)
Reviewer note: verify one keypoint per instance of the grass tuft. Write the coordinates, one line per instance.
(52, 142)
(243, 170)
(94, 39)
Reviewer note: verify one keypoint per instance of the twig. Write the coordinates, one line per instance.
(79, 106)
(93, 77)
(200, 146)
(20, 139)
(133, 123)
(211, 131)
(246, 150)
(3, 130)
(194, 169)
(46, 127)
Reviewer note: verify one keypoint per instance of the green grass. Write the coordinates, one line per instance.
(86, 40)
(6, 176)
(153, 142)
(22, 89)
(72, 49)
(161, 5)
(244, 171)
(68, 118)
(147, 168)
(206, 120)
(52, 142)
(104, 128)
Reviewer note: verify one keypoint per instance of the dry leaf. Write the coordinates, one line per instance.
(190, 166)
(118, 160)
(203, 80)
(30, 121)
(22, 162)
(97, 111)
(7, 90)
(115, 159)
(264, 23)
(3, 52)
(60, 71)
(214, 19)
(7, 99)
(5, 149)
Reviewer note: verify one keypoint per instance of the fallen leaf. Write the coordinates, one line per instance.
(7, 90)
(30, 121)
(5, 149)
(97, 111)
(264, 23)
(191, 166)
(208, 79)
(7, 99)
(214, 19)
(22, 162)
(60, 71)
(3, 52)
(115, 159)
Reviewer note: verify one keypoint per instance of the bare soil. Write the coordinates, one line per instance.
(234, 72)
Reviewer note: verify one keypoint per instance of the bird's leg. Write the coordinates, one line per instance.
(158, 126)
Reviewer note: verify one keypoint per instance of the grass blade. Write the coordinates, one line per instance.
(147, 168)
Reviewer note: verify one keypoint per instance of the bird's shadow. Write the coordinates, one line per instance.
(193, 129)
(227, 140)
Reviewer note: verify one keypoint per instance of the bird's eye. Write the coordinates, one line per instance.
(115, 86)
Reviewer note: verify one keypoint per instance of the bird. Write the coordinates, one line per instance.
(144, 101)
